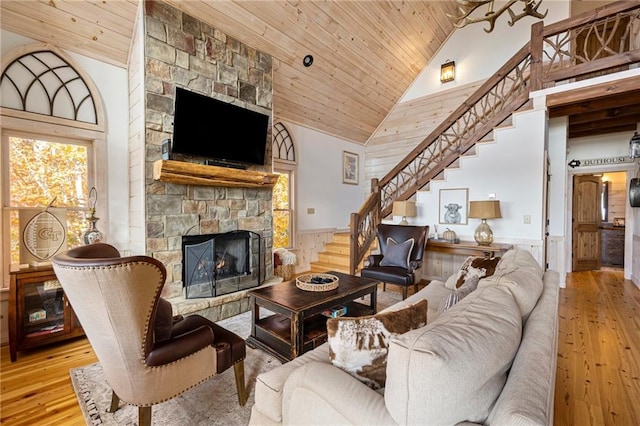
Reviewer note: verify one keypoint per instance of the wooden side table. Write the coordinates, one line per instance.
(39, 312)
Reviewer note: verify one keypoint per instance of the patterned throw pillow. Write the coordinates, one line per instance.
(397, 254)
(469, 285)
(480, 267)
(359, 346)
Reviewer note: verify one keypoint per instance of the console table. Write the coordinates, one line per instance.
(468, 248)
(443, 258)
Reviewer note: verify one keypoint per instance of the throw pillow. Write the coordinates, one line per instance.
(448, 302)
(474, 266)
(397, 254)
(469, 285)
(359, 345)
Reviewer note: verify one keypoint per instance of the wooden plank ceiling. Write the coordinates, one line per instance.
(366, 53)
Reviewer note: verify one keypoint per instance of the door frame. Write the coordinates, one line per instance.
(630, 168)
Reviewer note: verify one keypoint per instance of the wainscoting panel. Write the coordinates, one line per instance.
(310, 243)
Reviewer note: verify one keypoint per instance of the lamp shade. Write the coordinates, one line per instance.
(489, 209)
(404, 208)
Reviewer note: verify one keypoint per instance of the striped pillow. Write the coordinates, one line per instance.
(469, 285)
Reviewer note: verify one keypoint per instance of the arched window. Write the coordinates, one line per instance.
(284, 164)
(52, 132)
(41, 82)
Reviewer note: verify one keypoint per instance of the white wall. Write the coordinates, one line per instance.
(112, 83)
(319, 180)
(512, 168)
(609, 145)
(479, 54)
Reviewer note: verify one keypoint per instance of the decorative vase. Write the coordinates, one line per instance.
(92, 235)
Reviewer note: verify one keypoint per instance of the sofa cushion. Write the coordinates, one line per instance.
(359, 345)
(515, 259)
(472, 267)
(453, 369)
(520, 273)
(269, 385)
(527, 397)
(397, 254)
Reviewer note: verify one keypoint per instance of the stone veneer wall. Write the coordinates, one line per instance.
(181, 51)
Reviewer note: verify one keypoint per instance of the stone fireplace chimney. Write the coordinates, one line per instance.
(181, 51)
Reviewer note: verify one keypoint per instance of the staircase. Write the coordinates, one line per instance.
(336, 255)
(549, 58)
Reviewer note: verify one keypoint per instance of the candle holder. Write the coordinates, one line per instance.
(92, 235)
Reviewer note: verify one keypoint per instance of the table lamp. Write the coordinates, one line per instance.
(484, 210)
(405, 209)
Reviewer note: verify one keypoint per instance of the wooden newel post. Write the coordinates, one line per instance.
(374, 185)
(535, 46)
(353, 243)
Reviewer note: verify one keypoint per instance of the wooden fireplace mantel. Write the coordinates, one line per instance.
(199, 174)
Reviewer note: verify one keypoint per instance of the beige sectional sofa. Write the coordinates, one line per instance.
(489, 359)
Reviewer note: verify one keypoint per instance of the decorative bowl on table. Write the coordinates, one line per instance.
(317, 282)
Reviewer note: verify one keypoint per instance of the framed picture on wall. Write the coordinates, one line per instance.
(349, 168)
(454, 206)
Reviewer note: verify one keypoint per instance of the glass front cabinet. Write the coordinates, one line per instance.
(39, 312)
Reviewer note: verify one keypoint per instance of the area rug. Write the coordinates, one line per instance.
(214, 402)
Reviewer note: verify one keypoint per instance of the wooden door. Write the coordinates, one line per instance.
(586, 222)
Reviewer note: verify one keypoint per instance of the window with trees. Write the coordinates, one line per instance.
(39, 171)
(284, 160)
(53, 131)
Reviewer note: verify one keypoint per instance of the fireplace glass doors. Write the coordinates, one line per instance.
(217, 264)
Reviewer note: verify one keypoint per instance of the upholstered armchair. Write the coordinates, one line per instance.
(148, 355)
(400, 259)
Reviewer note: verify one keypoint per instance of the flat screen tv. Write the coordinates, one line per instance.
(217, 130)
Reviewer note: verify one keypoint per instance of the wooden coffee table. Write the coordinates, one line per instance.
(297, 324)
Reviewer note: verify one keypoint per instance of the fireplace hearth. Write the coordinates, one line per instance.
(217, 264)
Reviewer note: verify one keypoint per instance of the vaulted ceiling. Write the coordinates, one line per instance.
(366, 53)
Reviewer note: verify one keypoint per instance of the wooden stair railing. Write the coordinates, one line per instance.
(363, 227)
(502, 94)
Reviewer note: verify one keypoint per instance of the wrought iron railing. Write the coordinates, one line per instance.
(600, 41)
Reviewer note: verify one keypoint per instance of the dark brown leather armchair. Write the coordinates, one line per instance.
(400, 259)
(148, 355)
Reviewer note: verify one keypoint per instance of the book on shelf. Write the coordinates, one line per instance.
(338, 311)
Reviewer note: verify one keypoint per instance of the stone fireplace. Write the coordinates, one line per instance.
(218, 264)
(181, 51)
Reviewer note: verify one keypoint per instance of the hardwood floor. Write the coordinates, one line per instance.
(36, 389)
(598, 376)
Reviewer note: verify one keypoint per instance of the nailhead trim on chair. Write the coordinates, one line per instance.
(146, 333)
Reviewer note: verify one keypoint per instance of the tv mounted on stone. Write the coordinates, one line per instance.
(224, 133)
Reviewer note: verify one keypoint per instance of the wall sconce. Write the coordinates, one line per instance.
(634, 146)
(484, 210)
(405, 209)
(448, 71)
